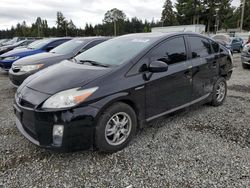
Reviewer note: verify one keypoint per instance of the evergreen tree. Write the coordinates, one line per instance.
(115, 16)
(168, 16)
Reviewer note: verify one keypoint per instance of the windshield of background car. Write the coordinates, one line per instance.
(38, 44)
(117, 51)
(223, 38)
(68, 47)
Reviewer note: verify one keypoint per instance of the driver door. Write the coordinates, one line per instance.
(170, 90)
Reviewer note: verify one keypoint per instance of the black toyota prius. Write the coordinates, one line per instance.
(105, 94)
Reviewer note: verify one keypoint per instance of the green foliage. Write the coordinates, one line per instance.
(168, 16)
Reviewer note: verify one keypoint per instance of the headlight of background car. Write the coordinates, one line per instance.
(68, 98)
(11, 58)
(27, 68)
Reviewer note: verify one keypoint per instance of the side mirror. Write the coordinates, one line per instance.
(158, 66)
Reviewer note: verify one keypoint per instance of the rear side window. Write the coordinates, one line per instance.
(172, 51)
(57, 43)
(200, 47)
(92, 44)
(215, 46)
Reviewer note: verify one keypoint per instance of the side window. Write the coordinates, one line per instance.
(56, 43)
(92, 44)
(215, 46)
(200, 47)
(172, 51)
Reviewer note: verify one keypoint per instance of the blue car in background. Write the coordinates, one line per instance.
(237, 44)
(45, 45)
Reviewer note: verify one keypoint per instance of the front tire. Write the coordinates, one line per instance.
(115, 128)
(219, 92)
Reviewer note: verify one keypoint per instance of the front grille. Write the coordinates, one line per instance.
(30, 129)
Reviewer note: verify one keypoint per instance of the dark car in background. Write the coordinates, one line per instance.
(102, 97)
(23, 43)
(45, 45)
(245, 56)
(27, 66)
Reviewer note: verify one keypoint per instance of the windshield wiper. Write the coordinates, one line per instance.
(93, 63)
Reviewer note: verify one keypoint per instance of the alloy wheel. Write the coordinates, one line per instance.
(118, 128)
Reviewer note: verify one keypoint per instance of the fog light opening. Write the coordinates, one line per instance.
(58, 135)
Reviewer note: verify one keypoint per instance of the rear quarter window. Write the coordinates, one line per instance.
(215, 46)
(200, 47)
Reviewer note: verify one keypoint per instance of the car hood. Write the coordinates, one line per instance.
(18, 52)
(41, 58)
(63, 76)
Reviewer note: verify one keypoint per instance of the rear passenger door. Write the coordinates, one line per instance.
(205, 66)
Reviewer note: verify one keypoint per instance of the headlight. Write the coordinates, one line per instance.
(68, 98)
(11, 58)
(27, 68)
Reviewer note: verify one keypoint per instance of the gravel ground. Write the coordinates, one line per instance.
(199, 147)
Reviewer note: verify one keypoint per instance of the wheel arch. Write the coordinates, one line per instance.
(122, 98)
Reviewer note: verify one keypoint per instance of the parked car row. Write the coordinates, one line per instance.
(44, 45)
(231, 43)
(106, 89)
(27, 66)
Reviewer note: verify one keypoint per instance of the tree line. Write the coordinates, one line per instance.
(115, 22)
(215, 14)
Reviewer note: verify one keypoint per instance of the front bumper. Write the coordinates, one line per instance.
(18, 78)
(37, 127)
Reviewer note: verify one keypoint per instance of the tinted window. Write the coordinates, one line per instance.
(171, 51)
(57, 43)
(216, 46)
(200, 47)
(92, 44)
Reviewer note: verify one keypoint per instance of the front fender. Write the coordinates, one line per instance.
(125, 97)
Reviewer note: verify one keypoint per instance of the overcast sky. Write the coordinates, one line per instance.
(80, 11)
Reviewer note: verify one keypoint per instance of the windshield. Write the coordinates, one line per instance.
(38, 44)
(116, 51)
(68, 47)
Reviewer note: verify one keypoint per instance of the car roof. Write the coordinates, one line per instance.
(91, 38)
(55, 39)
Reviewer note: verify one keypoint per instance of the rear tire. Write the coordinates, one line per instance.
(220, 92)
(115, 128)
